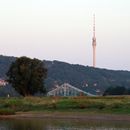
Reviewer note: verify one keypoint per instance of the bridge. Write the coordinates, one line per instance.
(68, 90)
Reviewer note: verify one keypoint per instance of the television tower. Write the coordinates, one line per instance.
(94, 43)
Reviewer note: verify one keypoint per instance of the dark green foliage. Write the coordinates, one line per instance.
(128, 91)
(27, 75)
(118, 90)
(6, 111)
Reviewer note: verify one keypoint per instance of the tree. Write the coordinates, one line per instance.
(118, 90)
(27, 76)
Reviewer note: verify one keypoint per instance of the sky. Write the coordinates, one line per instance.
(62, 30)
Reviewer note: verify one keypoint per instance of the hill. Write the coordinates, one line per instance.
(83, 77)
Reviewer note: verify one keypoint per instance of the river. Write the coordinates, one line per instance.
(61, 124)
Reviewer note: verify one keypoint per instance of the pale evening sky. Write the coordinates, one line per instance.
(62, 30)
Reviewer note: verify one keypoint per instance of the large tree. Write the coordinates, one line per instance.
(27, 76)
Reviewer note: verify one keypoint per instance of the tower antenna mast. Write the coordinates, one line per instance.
(94, 43)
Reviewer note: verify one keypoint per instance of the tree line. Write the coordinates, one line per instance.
(117, 90)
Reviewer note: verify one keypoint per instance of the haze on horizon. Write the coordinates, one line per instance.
(62, 30)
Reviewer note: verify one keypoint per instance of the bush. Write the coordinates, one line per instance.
(6, 112)
(66, 104)
(13, 103)
(93, 105)
(115, 105)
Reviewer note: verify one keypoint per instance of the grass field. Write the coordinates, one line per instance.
(112, 105)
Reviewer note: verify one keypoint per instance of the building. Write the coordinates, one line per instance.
(67, 90)
(3, 83)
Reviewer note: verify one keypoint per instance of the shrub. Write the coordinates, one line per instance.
(95, 105)
(6, 112)
(13, 103)
(67, 104)
(115, 105)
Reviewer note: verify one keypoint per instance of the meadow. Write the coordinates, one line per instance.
(104, 104)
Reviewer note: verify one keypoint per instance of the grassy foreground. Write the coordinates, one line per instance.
(110, 105)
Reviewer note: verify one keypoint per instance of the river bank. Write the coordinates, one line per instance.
(67, 115)
(119, 105)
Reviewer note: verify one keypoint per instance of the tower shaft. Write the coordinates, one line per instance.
(94, 43)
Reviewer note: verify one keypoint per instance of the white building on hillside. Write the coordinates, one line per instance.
(3, 83)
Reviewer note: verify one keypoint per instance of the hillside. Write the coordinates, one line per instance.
(83, 77)
(5, 62)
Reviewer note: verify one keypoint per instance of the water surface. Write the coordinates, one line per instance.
(62, 124)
